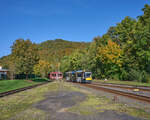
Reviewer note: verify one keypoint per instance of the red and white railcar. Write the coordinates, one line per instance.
(56, 75)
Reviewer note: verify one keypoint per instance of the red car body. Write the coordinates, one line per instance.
(55, 75)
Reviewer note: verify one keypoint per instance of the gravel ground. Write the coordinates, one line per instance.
(120, 99)
(56, 102)
(56, 105)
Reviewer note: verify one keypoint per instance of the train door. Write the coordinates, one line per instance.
(67, 76)
(73, 77)
(79, 77)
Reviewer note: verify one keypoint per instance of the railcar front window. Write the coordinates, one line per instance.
(67, 75)
(88, 74)
(54, 75)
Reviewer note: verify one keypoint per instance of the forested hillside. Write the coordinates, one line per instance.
(53, 50)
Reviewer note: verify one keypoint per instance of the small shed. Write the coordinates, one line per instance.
(3, 73)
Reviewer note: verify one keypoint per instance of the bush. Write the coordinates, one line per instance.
(144, 77)
(135, 75)
(115, 77)
(38, 79)
(140, 76)
(124, 75)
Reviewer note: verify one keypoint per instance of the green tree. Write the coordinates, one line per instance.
(145, 18)
(75, 60)
(65, 64)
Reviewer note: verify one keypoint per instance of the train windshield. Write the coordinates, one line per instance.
(54, 75)
(67, 75)
(88, 75)
(79, 74)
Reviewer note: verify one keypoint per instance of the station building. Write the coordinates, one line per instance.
(3, 73)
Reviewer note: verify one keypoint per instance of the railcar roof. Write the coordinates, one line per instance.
(71, 72)
(88, 72)
(56, 72)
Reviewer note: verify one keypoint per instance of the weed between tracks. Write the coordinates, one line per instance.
(31, 114)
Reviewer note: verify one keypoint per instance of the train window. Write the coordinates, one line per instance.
(59, 75)
(67, 75)
(79, 74)
(54, 75)
(88, 74)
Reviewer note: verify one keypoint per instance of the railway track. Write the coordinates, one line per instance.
(122, 93)
(20, 89)
(124, 86)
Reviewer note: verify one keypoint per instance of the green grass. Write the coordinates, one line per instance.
(6, 85)
(124, 82)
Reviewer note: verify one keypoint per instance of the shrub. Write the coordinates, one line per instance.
(38, 79)
(124, 75)
(140, 76)
(115, 77)
(135, 75)
(144, 77)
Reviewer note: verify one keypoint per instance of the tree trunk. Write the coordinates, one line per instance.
(26, 76)
(11, 75)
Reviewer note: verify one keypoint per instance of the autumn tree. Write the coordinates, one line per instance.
(110, 53)
(42, 68)
(25, 56)
(110, 57)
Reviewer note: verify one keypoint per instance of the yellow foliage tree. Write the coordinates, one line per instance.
(110, 53)
(42, 68)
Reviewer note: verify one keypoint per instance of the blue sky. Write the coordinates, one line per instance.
(73, 20)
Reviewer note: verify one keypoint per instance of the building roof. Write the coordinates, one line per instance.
(4, 70)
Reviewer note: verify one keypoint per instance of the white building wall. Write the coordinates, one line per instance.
(2, 73)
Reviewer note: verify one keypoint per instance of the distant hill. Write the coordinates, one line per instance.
(54, 50)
